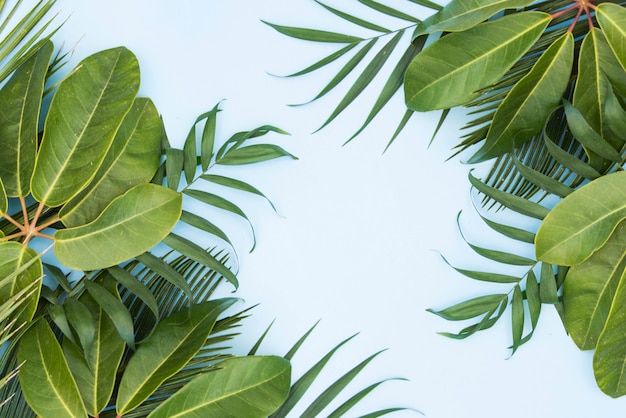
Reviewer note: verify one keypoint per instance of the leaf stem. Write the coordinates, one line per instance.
(24, 212)
(47, 223)
(14, 222)
(564, 11)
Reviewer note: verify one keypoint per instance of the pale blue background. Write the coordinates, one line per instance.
(354, 245)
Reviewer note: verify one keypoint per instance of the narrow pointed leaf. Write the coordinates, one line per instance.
(4, 203)
(25, 266)
(324, 61)
(189, 155)
(517, 317)
(569, 161)
(612, 20)
(173, 343)
(533, 298)
(581, 223)
(203, 224)
(314, 34)
(589, 290)
(131, 283)
(450, 71)
(460, 15)
(115, 310)
(45, 377)
(207, 142)
(471, 308)
(84, 116)
(19, 121)
(524, 111)
(251, 387)
(586, 135)
(174, 160)
(547, 286)
(132, 159)
(235, 184)
(143, 216)
(484, 276)
(543, 181)
(253, 154)
(510, 231)
(354, 400)
(390, 11)
(353, 19)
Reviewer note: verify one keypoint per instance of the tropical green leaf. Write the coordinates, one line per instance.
(610, 355)
(4, 203)
(325, 61)
(545, 182)
(314, 34)
(582, 222)
(589, 290)
(510, 231)
(143, 216)
(81, 320)
(612, 20)
(111, 304)
(568, 160)
(524, 111)
(25, 263)
(84, 116)
(547, 287)
(167, 272)
(471, 308)
(460, 15)
(484, 276)
(19, 121)
(45, 377)
(241, 387)
(130, 282)
(450, 71)
(174, 160)
(204, 224)
(253, 154)
(173, 343)
(390, 11)
(355, 399)
(533, 298)
(353, 19)
(517, 317)
(235, 184)
(208, 138)
(95, 368)
(132, 159)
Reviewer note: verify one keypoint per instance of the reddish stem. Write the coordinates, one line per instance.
(562, 12)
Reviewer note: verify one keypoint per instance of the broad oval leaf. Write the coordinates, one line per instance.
(524, 111)
(132, 224)
(84, 115)
(612, 20)
(45, 377)
(19, 120)
(450, 71)
(250, 387)
(173, 343)
(589, 290)
(460, 15)
(132, 159)
(582, 222)
(13, 257)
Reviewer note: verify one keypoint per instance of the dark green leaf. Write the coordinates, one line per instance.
(314, 34)
(471, 308)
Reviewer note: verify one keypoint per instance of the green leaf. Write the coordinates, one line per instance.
(533, 298)
(208, 138)
(450, 71)
(173, 343)
(527, 106)
(165, 270)
(587, 136)
(313, 34)
(612, 20)
(143, 216)
(366, 77)
(174, 160)
(508, 231)
(132, 283)
(115, 310)
(352, 19)
(132, 159)
(610, 355)
(25, 263)
(203, 224)
(571, 162)
(471, 308)
(95, 369)
(19, 121)
(590, 288)
(253, 154)
(484, 276)
(84, 116)
(324, 61)
(545, 182)
(4, 203)
(517, 317)
(460, 15)
(379, 7)
(354, 400)
(547, 287)
(45, 378)
(582, 222)
(241, 387)
(235, 184)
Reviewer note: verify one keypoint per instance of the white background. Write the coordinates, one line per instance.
(358, 238)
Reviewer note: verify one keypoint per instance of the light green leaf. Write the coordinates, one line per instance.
(19, 121)
(173, 343)
(612, 20)
(132, 224)
(582, 222)
(4, 203)
(174, 160)
(254, 154)
(610, 355)
(527, 106)
(390, 11)
(242, 387)
(471, 308)
(353, 19)
(132, 159)
(45, 378)
(460, 15)
(25, 262)
(314, 34)
(84, 116)
(95, 369)
(589, 290)
(450, 71)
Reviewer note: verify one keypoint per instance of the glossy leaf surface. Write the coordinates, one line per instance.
(132, 224)
(524, 111)
(612, 20)
(45, 377)
(450, 71)
(132, 159)
(173, 343)
(241, 387)
(19, 119)
(84, 116)
(582, 222)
